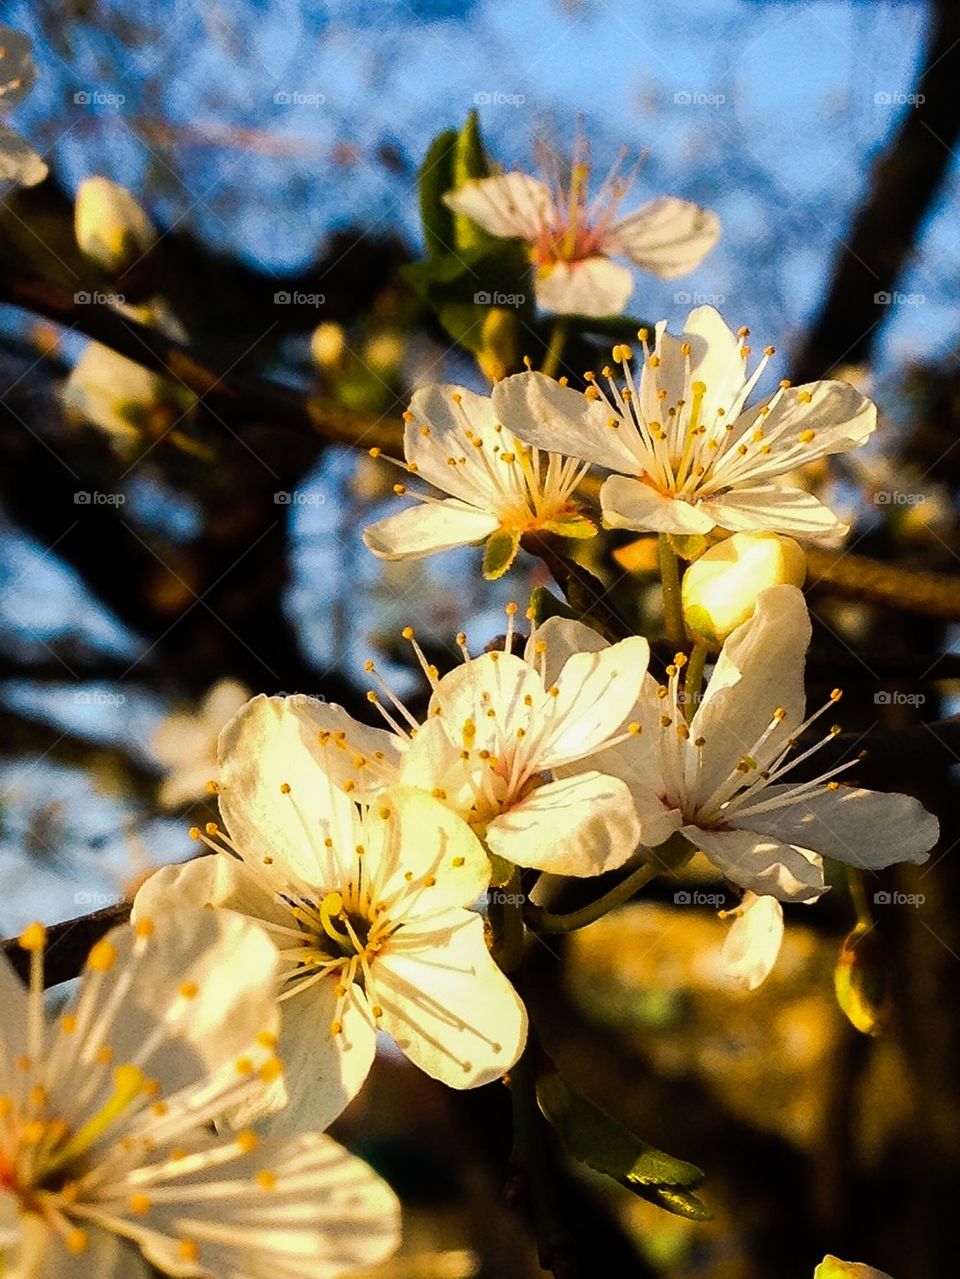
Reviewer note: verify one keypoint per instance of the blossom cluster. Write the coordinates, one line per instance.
(176, 1114)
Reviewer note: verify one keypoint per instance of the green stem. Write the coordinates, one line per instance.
(858, 895)
(670, 586)
(543, 921)
(558, 338)
(693, 680)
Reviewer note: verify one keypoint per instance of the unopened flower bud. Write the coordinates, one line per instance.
(111, 228)
(720, 589)
(860, 981)
(833, 1268)
(499, 335)
(328, 344)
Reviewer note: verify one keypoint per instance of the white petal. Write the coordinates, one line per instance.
(561, 420)
(13, 1024)
(754, 940)
(759, 670)
(667, 237)
(222, 701)
(763, 865)
(593, 287)
(326, 1213)
(420, 840)
(427, 528)
(581, 825)
(714, 359)
(563, 637)
(632, 504)
(446, 1002)
(508, 204)
(769, 508)
(323, 1072)
(349, 742)
(840, 417)
(508, 679)
(435, 432)
(864, 828)
(596, 691)
(217, 880)
(271, 744)
(231, 963)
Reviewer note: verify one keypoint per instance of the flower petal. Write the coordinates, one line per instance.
(594, 287)
(839, 417)
(667, 237)
(446, 1003)
(275, 797)
(760, 864)
(580, 825)
(864, 828)
(323, 1071)
(753, 943)
(759, 671)
(435, 440)
(559, 419)
(427, 528)
(506, 205)
(714, 359)
(422, 858)
(366, 757)
(324, 1212)
(771, 508)
(595, 693)
(629, 503)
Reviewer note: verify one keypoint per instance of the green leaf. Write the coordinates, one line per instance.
(500, 552)
(470, 161)
(435, 178)
(577, 526)
(591, 1136)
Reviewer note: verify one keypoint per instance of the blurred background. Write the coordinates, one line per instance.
(162, 558)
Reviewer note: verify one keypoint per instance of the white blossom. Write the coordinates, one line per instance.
(573, 237)
(106, 1139)
(687, 454)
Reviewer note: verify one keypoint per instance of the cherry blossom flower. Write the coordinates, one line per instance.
(19, 164)
(500, 489)
(106, 1138)
(367, 906)
(719, 779)
(509, 747)
(572, 238)
(686, 452)
(186, 745)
